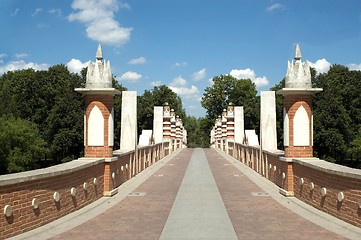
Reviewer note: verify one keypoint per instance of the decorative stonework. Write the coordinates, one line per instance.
(298, 73)
(298, 119)
(98, 119)
(99, 74)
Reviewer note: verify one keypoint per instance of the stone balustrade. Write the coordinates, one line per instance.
(34, 198)
(329, 187)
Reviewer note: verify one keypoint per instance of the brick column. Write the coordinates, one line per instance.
(167, 126)
(230, 127)
(105, 104)
(292, 104)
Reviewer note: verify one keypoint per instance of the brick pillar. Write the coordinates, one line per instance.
(173, 129)
(224, 130)
(230, 128)
(167, 127)
(98, 148)
(300, 128)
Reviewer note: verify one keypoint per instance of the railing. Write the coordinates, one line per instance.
(329, 187)
(34, 198)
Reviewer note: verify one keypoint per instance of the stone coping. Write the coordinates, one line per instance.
(329, 167)
(102, 91)
(296, 91)
(52, 171)
(59, 169)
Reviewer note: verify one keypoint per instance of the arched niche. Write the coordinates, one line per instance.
(96, 127)
(301, 128)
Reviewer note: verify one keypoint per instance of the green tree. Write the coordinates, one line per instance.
(241, 92)
(197, 131)
(21, 145)
(158, 96)
(337, 114)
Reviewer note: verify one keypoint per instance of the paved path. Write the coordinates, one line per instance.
(198, 211)
(196, 194)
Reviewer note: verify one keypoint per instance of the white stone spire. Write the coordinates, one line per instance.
(99, 74)
(298, 55)
(99, 55)
(298, 73)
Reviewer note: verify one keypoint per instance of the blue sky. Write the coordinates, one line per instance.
(181, 43)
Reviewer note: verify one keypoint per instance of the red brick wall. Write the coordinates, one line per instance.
(347, 210)
(19, 196)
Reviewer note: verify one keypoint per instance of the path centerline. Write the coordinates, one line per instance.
(198, 211)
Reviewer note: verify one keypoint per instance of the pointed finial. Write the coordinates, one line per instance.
(99, 55)
(298, 52)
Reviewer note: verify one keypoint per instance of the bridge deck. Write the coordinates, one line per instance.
(195, 194)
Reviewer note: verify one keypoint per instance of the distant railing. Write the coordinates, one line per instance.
(329, 187)
(34, 198)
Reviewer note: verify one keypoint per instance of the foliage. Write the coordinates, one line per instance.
(158, 96)
(46, 99)
(337, 114)
(22, 147)
(227, 89)
(197, 132)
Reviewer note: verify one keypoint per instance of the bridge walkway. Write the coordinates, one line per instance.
(196, 194)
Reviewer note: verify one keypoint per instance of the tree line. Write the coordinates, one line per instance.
(41, 116)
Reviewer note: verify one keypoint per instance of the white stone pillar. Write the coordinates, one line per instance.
(238, 124)
(128, 133)
(268, 129)
(158, 124)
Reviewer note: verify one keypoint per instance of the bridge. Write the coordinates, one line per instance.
(197, 194)
(242, 187)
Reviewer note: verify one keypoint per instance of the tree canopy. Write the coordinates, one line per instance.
(337, 114)
(158, 96)
(45, 101)
(228, 89)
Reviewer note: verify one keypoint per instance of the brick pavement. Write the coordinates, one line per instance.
(144, 217)
(138, 217)
(258, 217)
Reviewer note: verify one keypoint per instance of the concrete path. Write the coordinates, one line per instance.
(197, 194)
(198, 211)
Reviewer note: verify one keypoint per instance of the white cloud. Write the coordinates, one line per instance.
(42, 25)
(135, 61)
(2, 55)
(178, 82)
(249, 74)
(16, 11)
(274, 6)
(21, 55)
(75, 65)
(56, 11)
(98, 17)
(354, 66)
(37, 11)
(197, 76)
(179, 86)
(18, 65)
(185, 92)
(321, 65)
(130, 77)
(179, 64)
(155, 83)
